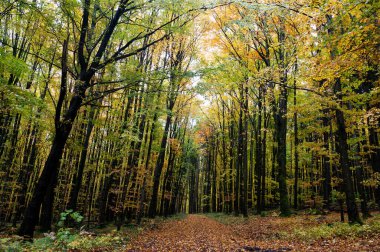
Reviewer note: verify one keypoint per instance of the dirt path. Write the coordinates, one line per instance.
(259, 234)
(194, 233)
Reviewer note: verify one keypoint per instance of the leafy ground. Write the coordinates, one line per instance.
(215, 232)
(220, 232)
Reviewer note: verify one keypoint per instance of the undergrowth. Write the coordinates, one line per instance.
(336, 230)
(72, 242)
(72, 239)
(227, 219)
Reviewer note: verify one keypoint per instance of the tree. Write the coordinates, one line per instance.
(91, 58)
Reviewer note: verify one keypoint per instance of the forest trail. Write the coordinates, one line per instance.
(194, 233)
(198, 232)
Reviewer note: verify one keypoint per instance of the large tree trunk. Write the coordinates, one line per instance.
(63, 129)
(51, 166)
(46, 182)
(31, 156)
(48, 203)
(341, 135)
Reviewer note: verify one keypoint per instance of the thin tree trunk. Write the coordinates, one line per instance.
(77, 182)
(158, 169)
(296, 167)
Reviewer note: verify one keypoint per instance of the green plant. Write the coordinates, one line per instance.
(66, 235)
(314, 211)
(41, 244)
(264, 214)
(88, 243)
(69, 214)
(7, 244)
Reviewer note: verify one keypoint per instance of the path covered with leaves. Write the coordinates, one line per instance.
(265, 234)
(194, 233)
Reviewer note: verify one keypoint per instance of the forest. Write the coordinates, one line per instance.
(179, 125)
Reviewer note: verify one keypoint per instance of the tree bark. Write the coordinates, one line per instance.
(341, 135)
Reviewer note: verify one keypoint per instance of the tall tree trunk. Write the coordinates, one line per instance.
(352, 210)
(48, 203)
(363, 198)
(282, 125)
(30, 158)
(151, 138)
(245, 155)
(158, 168)
(281, 156)
(51, 166)
(258, 157)
(296, 167)
(326, 165)
(63, 129)
(77, 182)
(375, 158)
(263, 156)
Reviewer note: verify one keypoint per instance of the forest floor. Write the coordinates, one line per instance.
(213, 232)
(219, 232)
